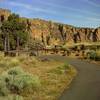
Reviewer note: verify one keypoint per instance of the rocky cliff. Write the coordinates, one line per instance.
(4, 13)
(55, 33)
(51, 33)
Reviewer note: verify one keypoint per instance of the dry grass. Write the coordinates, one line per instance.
(54, 77)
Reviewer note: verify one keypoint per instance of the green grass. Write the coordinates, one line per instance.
(8, 62)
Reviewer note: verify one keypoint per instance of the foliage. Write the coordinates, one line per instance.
(11, 97)
(9, 62)
(17, 84)
(94, 55)
(97, 55)
(16, 81)
(61, 69)
(13, 32)
(35, 44)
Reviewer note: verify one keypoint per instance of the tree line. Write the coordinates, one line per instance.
(13, 34)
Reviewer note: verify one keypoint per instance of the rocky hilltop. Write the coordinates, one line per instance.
(52, 33)
(4, 13)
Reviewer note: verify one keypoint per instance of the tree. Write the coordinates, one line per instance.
(36, 45)
(5, 33)
(28, 28)
(14, 29)
(18, 30)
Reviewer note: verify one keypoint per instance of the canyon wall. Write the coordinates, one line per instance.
(55, 33)
(52, 33)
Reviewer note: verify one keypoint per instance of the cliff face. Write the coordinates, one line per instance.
(55, 33)
(4, 13)
(50, 33)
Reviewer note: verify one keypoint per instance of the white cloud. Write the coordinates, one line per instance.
(72, 9)
(29, 7)
(84, 19)
(93, 19)
(92, 3)
(77, 17)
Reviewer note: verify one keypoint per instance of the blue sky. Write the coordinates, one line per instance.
(81, 13)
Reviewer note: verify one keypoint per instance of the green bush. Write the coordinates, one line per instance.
(66, 66)
(11, 97)
(15, 71)
(17, 97)
(94, 55)
(91, 54)
(3, 89)
(98, 55)
(16, 81)
(61, 69)
(24, 82)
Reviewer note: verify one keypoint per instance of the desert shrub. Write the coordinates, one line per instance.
(97, 55)
(3, 89)
(15, 71)
(33, 60)
(3, 63)
(61, 69)
(11, 97)
(1, 56)
(92, 55)
(9, 62)
(66, 66)
(28, 60)
(16, 81)
(17, 97)
(24, 82)
(22, 58)
(14, 62)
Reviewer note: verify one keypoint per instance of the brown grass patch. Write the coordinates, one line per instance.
(53, 79)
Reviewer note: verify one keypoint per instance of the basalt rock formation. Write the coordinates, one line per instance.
(52, 33)
(4, 13)
(55, 33)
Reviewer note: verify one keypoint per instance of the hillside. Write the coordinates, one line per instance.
(51, 33)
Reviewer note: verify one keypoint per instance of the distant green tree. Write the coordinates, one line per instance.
(14, 29)
(5, 34)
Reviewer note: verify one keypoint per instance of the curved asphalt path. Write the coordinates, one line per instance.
(86, 86)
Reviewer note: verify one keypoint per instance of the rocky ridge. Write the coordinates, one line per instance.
(52, 33)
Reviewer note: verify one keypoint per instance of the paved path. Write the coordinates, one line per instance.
(86, 86)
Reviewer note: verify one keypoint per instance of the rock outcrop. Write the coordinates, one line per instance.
(55, 33)
(4, 13)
